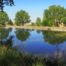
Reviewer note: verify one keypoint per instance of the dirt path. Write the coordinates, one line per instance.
(63, 29)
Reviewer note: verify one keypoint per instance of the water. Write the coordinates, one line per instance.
(35, 42)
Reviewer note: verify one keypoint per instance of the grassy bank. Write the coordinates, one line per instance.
(11, 57)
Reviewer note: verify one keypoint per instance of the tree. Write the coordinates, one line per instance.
(22, 17)
(38, 21)
(10, 22)
(64, 20)
(3, 18)
(53, 15)
(5, 2)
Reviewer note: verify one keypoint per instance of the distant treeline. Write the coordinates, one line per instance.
(53, 16)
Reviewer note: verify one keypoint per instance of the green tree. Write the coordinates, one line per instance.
(53, 15)
(10, 22)
(38, 21)
(5, 2)
(64, 20)
(22, 17)
(3, 18)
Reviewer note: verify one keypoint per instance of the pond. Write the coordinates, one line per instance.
(35, 42)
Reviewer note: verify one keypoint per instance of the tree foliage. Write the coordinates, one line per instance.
(5, 2)
(53, 15)
(38, 21)
(3, 18)
(22, 17)
(64, 20)
(10, 22)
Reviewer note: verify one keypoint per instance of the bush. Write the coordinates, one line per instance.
(48, 22)
(64, 20)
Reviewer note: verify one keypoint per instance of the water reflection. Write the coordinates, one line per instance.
(50, 44)
(57, 39)
(22, 34)
(38, 31)
(54, 37)
(5, 39)
(4, 33)
(42, 43)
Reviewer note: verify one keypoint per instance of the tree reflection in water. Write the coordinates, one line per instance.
(11, 57)
(5, 40)
(56, 38)
(22, 34)
(38, 31)
(4, 33)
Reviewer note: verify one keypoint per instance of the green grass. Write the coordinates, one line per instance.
(10, 57)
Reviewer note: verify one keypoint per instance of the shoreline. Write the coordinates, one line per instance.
(60, 29)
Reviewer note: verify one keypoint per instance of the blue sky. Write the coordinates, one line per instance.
(35, 8)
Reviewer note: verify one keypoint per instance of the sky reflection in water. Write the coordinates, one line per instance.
(35, 42)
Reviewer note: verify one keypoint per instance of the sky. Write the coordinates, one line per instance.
(35, 8)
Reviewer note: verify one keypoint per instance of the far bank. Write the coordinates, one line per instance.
(62, 29)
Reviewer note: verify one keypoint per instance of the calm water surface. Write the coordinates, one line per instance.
(36, 42)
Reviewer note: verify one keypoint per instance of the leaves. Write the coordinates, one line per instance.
(3, 18)
(22, 17)
(38, 21)
(53, 15)
(5, 2)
